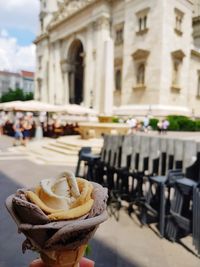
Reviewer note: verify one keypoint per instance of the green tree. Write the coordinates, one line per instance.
(29, 96)
(17, 94)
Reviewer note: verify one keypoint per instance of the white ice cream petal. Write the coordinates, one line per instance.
(62, 191)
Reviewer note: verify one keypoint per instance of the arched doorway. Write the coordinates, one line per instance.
(76, 73)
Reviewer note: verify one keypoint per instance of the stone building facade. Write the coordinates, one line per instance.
(121, 56)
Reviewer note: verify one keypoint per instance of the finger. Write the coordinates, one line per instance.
(86, 263)
(37, 263)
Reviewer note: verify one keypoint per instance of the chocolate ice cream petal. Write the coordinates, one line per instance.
(27, 245)
(52, 225)
(79, 231)
(100, 196)
(41, 233)
(28, 212)
(9, 206)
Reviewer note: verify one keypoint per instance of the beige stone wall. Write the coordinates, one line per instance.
(148, 42)
(172, 41)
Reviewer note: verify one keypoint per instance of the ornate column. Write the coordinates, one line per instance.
(89, 68)
(51, 78)
(42, 71)
(108, 75)
(102, 26)
(68, 72)
(58, 75)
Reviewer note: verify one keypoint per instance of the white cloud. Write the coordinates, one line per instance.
(14, 57)
(22, 14)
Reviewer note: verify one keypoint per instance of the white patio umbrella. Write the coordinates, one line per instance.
(31, 105)
(74, 109)
(10, 105)
(34, 105)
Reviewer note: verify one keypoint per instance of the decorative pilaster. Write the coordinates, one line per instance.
(51, 78)
(58, 74)
(102, 29)
(108, 77)
(89, 70)
(65, 67)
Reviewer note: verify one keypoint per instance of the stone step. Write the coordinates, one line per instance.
(57, 161)
(75, 142)
(41, 151)
(49, 157)
(63, 146)
(71, 147)
(57, 149)
(61, 151)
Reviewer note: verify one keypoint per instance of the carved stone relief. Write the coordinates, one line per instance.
(69, 8)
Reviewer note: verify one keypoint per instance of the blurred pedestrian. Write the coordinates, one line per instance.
(18, 129)
(38, 130)
(146, 124)
(165, 126)
(160, 126)
(27, 126)
(132, 122)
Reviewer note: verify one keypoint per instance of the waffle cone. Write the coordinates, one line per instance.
(63, 258)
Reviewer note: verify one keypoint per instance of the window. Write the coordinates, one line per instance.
(140, 59)
(176, 72)
(42, 24)
(119, 32)
(118, 80)
(140, 74)
(142, 23)
(198, 83)
(177, 59)
(17, 85)
(119, 36)
(178, 21)
(39, 85)
(40, 62)
(142, 17)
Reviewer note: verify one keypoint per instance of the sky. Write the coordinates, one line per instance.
(19, 25)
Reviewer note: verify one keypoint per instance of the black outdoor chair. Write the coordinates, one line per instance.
(179, 222)
(129, 175)
(156, 203)
(196, 218)
(89, 159)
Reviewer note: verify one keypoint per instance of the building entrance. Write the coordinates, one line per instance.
(76, 73)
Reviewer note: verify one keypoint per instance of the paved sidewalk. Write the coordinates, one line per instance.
(116, 244)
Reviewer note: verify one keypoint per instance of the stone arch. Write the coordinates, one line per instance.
(75, 59)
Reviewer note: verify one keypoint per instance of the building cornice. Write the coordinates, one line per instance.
(196, 20)
(40, 38)
(140, 54)
(195, 53)
(178, 54)
(67, 10)
(191, 2)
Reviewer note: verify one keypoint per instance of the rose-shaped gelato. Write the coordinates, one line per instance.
(59, 216)
(63, 198)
